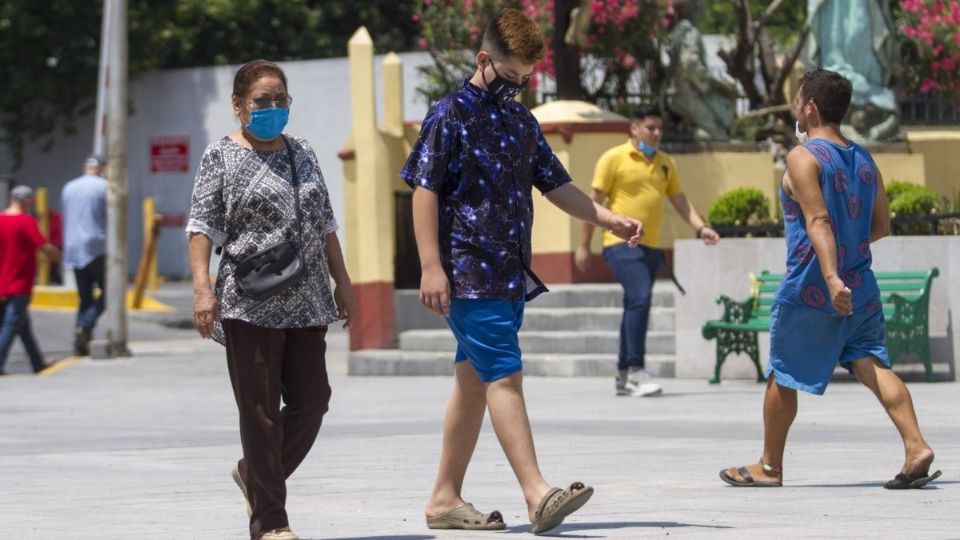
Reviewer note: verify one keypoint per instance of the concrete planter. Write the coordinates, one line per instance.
(707, 272)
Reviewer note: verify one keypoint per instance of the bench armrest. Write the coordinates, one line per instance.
(907, 311)
(734, 311)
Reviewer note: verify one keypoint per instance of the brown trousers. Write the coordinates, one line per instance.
(268, 364)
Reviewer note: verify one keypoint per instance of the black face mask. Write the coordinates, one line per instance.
(502, 88)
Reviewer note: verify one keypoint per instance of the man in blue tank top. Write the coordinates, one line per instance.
(828, 307)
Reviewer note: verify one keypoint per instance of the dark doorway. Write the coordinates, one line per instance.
(406, 264)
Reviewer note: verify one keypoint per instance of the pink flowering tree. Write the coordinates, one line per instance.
(930, 43)
(450, 31)
(613, 40)
(622, 43)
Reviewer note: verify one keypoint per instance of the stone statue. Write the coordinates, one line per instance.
(706, 102)
(856, 39)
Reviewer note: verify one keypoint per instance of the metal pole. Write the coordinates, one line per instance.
(103, 78)
(117, 192)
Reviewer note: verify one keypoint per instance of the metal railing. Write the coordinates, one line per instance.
(929, 109)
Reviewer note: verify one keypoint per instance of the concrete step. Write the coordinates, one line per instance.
(599, 295)
(578, 319)
(383, 362)
(537, 342)
(410, 315)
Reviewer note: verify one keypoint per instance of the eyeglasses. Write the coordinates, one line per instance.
(281, 102)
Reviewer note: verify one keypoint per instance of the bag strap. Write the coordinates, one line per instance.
(296, 186)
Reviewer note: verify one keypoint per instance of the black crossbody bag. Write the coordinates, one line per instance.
(279, 266)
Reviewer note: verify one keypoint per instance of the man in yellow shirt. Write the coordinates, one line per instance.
(635, 177)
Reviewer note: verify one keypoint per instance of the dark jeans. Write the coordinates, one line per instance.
(635, 269)
(88, 277)
(15, 321)
(265, 365)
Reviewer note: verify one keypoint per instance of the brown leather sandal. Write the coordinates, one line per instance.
(746, 479)
(557, 504)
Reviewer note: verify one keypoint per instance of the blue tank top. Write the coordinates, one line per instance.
(848, 180)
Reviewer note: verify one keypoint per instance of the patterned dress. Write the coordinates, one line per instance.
(243, 200)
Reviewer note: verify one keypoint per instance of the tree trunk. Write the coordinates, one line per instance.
(566, 58)
(740, 61)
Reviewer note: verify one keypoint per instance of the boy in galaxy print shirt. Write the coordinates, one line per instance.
(472, 169)
(828, 310)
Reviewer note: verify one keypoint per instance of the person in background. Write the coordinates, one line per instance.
(20, 238)
(84, 204)
(635, 177)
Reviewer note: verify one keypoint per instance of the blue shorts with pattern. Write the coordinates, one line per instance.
(806, 345)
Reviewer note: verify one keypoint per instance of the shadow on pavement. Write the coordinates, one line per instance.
(932, 486)
(570, 527)
(386, 537)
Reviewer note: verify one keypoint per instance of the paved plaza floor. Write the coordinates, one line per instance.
(142, 447)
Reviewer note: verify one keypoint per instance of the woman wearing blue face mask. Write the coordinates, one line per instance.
(257, 189)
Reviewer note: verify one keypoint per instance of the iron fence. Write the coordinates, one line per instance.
(929, 109)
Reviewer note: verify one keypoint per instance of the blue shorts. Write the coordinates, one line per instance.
(806, 345)
(486, 332)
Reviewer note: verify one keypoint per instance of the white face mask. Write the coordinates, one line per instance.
(801, 135)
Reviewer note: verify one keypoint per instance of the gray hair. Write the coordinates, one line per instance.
(21, 193)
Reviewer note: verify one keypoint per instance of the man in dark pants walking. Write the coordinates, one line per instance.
(633, 179)
(84, 203)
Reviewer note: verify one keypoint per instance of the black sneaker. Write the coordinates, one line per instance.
(81, 342)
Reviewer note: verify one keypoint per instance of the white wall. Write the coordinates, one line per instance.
(196, 102)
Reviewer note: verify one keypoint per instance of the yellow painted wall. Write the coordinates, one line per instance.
(553, 230)
(369, 177)
(940, 149)
(704, 176)
(900, 166)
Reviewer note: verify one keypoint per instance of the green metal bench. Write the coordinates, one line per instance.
(906, 306)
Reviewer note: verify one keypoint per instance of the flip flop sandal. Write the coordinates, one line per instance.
(905, 481)
(557, 504)
(746, 479)
(468, 518)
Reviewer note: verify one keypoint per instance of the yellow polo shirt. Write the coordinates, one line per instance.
(635, 187)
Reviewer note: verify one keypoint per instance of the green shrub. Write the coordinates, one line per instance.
(919, 202)
(910, 200)
(741, 206)
(747, 128)
(896, 188)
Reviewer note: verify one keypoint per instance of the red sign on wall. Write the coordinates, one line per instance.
(169, 154)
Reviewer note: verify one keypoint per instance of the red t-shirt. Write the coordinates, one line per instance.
(19, 239)
(56, 229)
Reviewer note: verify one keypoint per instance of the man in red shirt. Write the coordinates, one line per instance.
(20, 238)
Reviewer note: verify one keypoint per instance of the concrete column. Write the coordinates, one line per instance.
(369, 206)
(393, 95)
(42, 207)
